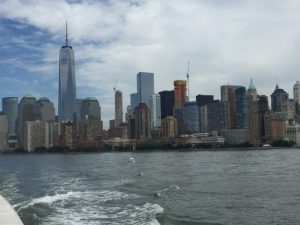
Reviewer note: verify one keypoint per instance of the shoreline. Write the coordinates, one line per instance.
(149, 151)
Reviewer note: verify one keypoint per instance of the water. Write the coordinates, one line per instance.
(170, 188)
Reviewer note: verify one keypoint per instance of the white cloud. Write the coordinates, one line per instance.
(225, 41)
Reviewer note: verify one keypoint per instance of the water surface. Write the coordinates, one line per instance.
(170, 188)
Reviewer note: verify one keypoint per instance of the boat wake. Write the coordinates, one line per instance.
(88, 208)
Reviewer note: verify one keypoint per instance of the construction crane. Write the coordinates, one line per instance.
(115, 85)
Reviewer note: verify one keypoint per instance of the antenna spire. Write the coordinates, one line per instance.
(66, 33)
(188, 78)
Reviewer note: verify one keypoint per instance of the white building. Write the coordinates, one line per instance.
(36, 134)
(292, 133)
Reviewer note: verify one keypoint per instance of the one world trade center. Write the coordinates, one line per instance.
(67, 83)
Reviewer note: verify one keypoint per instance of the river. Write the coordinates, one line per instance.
(151, 188)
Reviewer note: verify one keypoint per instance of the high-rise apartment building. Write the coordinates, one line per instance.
(167, 99)
(118, 108)
(145, 87)
(67, 83)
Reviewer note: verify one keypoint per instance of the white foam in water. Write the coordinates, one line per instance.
(46, 199)
(89, 208)
(131, 160)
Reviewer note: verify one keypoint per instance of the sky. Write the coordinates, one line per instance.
(225, 41)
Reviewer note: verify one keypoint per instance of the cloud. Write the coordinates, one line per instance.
(225, 42)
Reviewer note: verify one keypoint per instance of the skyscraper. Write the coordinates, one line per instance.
(90, 109)
(67, 83)
(191, 116)
(204, 99)
(142, 122)
(133, 101)
(180, 93)
(155, 112)
(241, 108)
(10, 109)
(166, 103)
(26, 107)
(228, 94)
(145, 87)
(279, 100)
(118, 108)
(44, 110)
(180, 98)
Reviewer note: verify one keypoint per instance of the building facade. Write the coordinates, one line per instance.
(169, 127)
(241, 108)
(142, 122)
(179, 93)
(204, 99)
(191, 116)
(217, 116)
(36, 134)
(274, 126)
(10, 109)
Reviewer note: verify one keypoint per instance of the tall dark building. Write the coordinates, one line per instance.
(204, 99)
(279, 100)
(217, 115)
(191, 116)
(241, 108)
(263, 107)
(167, 99)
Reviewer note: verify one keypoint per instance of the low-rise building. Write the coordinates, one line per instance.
(235, 136)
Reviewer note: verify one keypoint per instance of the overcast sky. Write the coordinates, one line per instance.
(226, 41)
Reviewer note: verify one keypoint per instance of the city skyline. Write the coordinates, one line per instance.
(116, 40)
